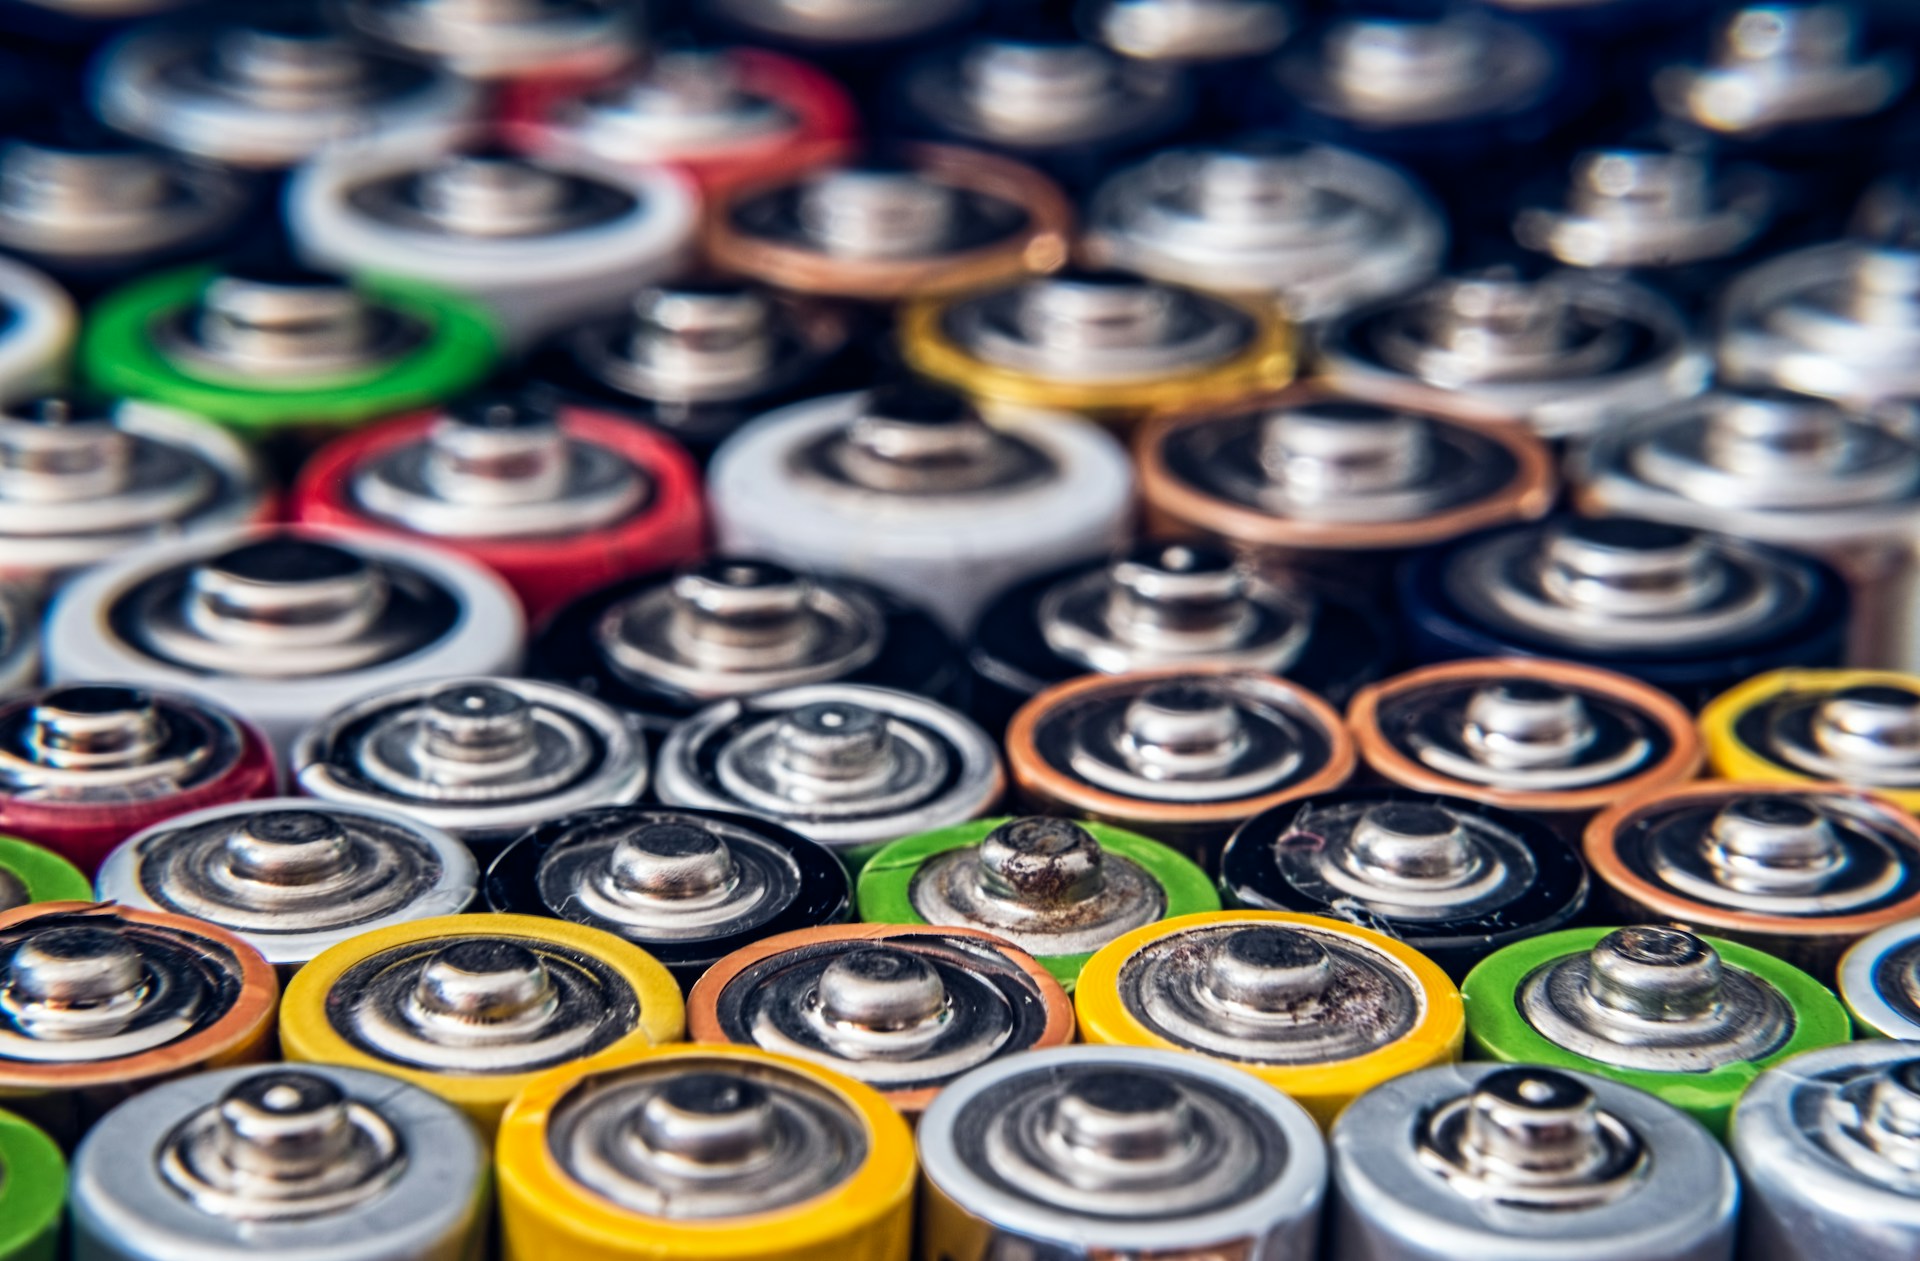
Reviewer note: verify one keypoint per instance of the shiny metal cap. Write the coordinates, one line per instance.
(478, 756)
(1843, 1121)
(1326, 229)
(880, 211)
(840, 23)
(282, 328)
(1534, 1138)
(1381, 71)
(1649, 207)
(682, 104)
(103, 743)
(292, 877)
(1780, 65)
(93, 201)
(1041, 94)
(842, 763)
(916, 440)
(1189, 30)
(483, 195)
(1270, 994)
(1044, 884)
(687, 1139)
(1655, 1000)
(491, 39)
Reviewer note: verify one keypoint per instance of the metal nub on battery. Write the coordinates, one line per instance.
(1541, 737)
(1654, 207)
(291, 877)
(1455, 879)
(904, 1009)
(1510, 1163)
(1181, 31)
(1319, 1008)
(703, 1151)
(1829, 1155)
(1093, 1151)
(1856, 727)
(1044, 97)
(1799, 871)
(851, 767)
(1779, 66)
(504, 39)
(1691, 1019)
(1879, 980)
(687, 885)
(472, 1007)
(33, 1192)
(299, 1159)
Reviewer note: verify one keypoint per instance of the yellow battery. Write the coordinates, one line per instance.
(473, 1007)
(704, 1153)
(1322, 1009)
(1855, 727)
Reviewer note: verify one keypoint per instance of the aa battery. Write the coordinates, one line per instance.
(1857, 727)
(29, 874)
(33, 1192)
(38, 336)
(1880, 982)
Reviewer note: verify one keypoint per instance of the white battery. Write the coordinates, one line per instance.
(37, 326)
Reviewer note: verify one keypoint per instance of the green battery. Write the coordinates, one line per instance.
(33, 1192)
(31, 874)
(1057, 888)
(1690, 1019)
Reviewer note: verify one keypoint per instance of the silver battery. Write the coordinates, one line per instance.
(1051, 95)
(1569, 352)
(1188, 31)
(267, 96)
(81, 484)
(1103, 1151)
(1628, 208)
(503, 39)
(1786, 470)
(1880, 982)
(484, 758)
(840, 763)
(107, 744)
(292, 877)
(1515, 1163)
(1322, 228)
(1866, 735)
(306, 1162)
(681, 105)
(1826, 1145)
(839, 25)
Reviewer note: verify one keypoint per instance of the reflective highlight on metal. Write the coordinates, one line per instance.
(1188, 31)
(1857, 727)
(38, 322)
(1879, 980)
(503, 39)
(1651, 209)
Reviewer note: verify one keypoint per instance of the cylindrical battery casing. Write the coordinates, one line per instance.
(848, 1164)
(687, 886)
(1058, 890)
(108, 1000)
(1032, 1155)
(1821, 1144)
(29, 874)
(1880, 982)
(1650, 1184)
(909, 488)
(38, 335)
(1691, 1019)
(33, 1192)
(307, 1162)
(556, 501)
(282, 624)
(1808, 726)
(905, 1009)
(405, 1001)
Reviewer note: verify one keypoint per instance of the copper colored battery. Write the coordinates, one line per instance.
(949, 998)
(99, 1001)
(1801, 871)
(1547, 738)
(942, 220)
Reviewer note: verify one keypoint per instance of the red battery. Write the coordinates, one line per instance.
(558, 501)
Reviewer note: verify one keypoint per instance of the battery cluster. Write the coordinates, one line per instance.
(959, 630)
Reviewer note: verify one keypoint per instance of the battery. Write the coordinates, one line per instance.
(1108, 345)
(1057, 889)
(38, 323)
(541, 242)
(1319, 1009)
(1798, 727)
(268, 92)
(1182, 754)
(1691, 1019)
(280, 624)
(1801, 871)
(291, 877)
(483, 758)
(33, 1192)
(1099, 1151)
(891, 225)
(1824, 1149)
(1879, 980)
(293, 1161)
(850, 766)
(1455, 879)
(1515, 1163)
(1198, 33)
(29, 873)
(103, 1001)
(1164, 604)
(1568, 352)
(722, 116)
(504, 40)
(662, 648)
(1688, 611)
(19, 638)
(557, 500)
(1323, 229)
(967, 507)
(1549, 739)
(704, 1151)
(688, 886)
(86, 765)
(1782, 469)
(473, 1007)
(906, 1010)
(82, 480)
